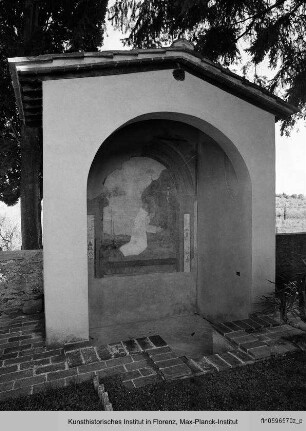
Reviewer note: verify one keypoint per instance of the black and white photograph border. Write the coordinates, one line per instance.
(152, 214)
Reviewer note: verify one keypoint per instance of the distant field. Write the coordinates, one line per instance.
(290, 213)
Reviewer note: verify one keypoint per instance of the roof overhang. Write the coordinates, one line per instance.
(29, 72)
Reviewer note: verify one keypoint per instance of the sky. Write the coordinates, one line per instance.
(290, 151)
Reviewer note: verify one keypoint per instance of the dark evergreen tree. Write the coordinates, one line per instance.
(33, 27)
(272, 29)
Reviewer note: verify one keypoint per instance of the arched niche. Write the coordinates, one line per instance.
(210, 268)
(141, 183)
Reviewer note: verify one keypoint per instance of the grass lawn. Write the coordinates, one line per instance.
(75, 397)
(276, 384)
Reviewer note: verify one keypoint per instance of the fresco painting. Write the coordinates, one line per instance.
(140, 217)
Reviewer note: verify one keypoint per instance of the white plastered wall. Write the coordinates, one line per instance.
(79, 114)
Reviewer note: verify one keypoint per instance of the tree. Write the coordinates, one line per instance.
(9, 235)
(34, 27)
(273, 30)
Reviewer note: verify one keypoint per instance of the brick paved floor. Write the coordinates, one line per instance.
(28, 366)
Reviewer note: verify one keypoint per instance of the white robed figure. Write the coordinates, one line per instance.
(138, 242)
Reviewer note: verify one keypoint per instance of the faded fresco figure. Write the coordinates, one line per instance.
(139, 213)
(138, 242)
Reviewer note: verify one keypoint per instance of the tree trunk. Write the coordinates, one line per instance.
(31, 151)
(30, 197)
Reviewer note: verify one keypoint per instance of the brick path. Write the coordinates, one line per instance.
(256, 338)
(28, 366)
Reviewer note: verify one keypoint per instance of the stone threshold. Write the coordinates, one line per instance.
(28, 366)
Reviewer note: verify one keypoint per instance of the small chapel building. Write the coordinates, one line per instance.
(159, 186)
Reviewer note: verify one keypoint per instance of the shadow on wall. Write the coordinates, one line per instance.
(290, 249)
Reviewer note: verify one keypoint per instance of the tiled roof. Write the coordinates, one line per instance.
(29, 72)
